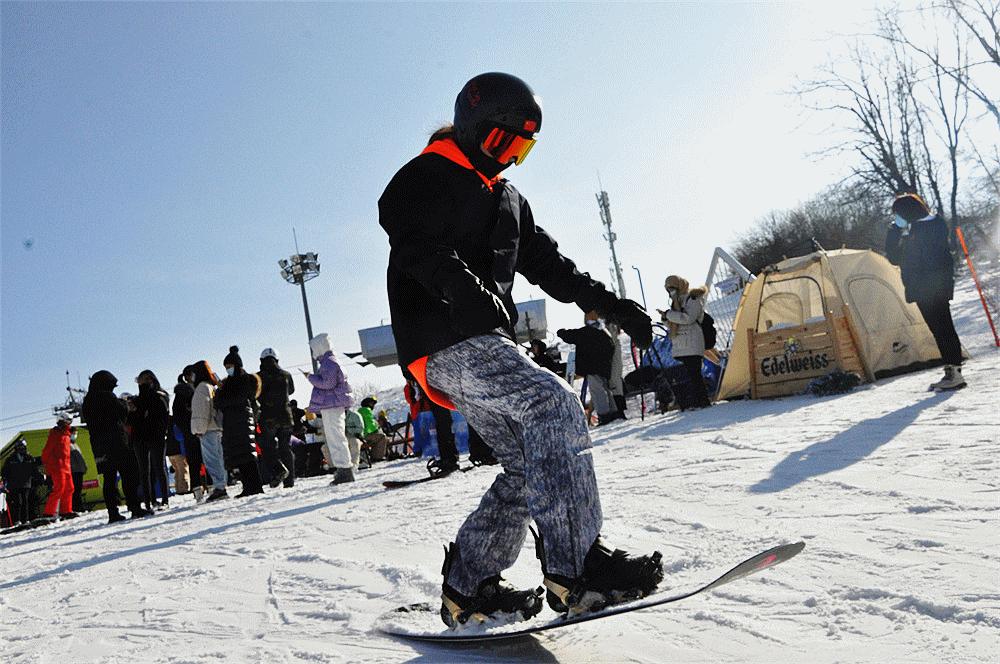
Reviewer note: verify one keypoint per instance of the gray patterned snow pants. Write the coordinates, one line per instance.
(535, 424)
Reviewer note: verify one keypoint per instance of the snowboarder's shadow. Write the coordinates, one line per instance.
(845, 448)
(523, 649)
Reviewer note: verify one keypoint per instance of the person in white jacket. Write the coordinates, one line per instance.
(683, 319)
(207, 425)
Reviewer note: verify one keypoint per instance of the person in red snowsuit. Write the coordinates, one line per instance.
(56, 460)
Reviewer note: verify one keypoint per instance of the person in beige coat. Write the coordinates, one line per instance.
(206, 423)
(683, 319)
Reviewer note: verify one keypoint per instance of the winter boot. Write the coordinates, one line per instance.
(483, 459)
(199, 493)
(342, 475)
(217, 494)
(609, 577)
(115, 518)
(495, 601)
(279, 477)
(952, 379)
(440, 467)
(68, 515)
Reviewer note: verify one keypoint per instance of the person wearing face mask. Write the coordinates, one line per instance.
(235, 399)
(917, 241)
(594, 351)
(458, 235)
(331, 396)
(78, 468)
(152, 422)
(105, 416)
(683, 319)
(206, 424)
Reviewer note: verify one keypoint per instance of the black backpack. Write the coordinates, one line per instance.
(708, 330)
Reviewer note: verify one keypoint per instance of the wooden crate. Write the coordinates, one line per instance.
(782, 362)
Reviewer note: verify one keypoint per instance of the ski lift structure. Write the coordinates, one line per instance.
(378, 345)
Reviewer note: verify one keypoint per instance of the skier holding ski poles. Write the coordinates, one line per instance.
(458, 234)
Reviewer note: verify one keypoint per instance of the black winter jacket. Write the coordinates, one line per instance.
(235, 399)
(183, 394)
(452, 241)
(105, 415)
(594, 350)
(924, 259)
(275, 387)
(152, 416)
(20, 471)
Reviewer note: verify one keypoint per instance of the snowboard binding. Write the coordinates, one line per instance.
(495, 602)
(609, 577)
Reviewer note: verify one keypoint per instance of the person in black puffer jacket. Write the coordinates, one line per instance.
(235, 399)
(152, 422)
(105, 416)
(917, 241)
(20, 474)
(276, 420)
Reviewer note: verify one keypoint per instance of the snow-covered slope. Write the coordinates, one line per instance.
(895, 490)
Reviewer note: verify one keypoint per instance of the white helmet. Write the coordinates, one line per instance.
(268, 352)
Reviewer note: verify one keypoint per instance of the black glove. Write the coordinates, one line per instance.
(560, 333)
(479, 314)
(634, 320)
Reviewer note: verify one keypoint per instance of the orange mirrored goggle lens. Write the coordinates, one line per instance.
(506, 146)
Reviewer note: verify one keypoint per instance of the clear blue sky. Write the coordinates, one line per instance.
(158, 156)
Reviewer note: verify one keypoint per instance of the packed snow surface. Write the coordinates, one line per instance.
(894, 490)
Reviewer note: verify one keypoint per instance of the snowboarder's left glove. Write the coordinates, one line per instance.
(634, 320)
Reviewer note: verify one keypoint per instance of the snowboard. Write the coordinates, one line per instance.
(399, 484)
(422, 622)
(34, 523)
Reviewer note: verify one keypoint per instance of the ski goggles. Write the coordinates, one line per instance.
(506, 146)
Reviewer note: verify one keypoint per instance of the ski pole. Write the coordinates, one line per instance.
(975, 278)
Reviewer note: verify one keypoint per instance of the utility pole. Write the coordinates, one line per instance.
(605, 207)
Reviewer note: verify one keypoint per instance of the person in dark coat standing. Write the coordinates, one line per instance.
(594, 348)
(78, 467)
(235, 399)
(917, 241)
(105, 416)
(190, 467)
(276, 386)
(20, 476)
(152, 423)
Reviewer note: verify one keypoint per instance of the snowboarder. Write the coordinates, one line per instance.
(331, 396)
(458, 234)
(917, 241)
(105, 416)
(276, 420)
(235, 400)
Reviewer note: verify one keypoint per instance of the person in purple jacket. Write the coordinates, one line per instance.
(331, 396)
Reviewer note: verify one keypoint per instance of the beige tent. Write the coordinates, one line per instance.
(807, 316)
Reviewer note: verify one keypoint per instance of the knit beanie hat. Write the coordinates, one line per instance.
(233, 359)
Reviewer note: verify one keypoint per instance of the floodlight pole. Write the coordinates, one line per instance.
(298, 269)
(309, 326)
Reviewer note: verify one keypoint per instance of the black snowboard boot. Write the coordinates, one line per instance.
(495, 601)
(609, 577)
(440, 467)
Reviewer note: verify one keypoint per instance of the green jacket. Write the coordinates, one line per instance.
(371, 426)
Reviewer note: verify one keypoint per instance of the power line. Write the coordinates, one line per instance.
(33, 412)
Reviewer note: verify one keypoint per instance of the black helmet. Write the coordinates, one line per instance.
(490, 101)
